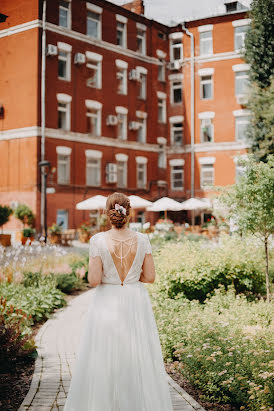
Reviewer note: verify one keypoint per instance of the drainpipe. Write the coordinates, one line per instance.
(43, 116)
(192, 114)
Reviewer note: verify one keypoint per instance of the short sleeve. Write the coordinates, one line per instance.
(93, 248)
(148, 249)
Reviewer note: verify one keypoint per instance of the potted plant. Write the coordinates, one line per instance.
(55, 233)
(27, 235)
(84, 233)
(24, 214)
(5, 213)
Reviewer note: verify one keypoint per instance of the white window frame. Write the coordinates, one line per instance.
(94, 63)
(122, 122)
(175, 128)
(206, 43)
(142, 131)
(64, 54)
(121, 75)
(68, 9)
(141, 166)
(176, 43)
(121, 20)
(205, 81)
(176, 85)
(92, 8)
(240, 24)
(143, 86)
(161, 105)
(206, 119)
(64, 106)
(205, 164)
(242, 117)
(162, 71)
(62, 216)
(241, 76)
(122, 171)
(94, 111)
(93, 162)
(63, 158)
(176, 167)
(141, 35)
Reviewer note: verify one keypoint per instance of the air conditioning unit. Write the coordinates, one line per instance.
(112, 120)
(52, 50)
(79, 58)
(134, 125)
(242, 100)
(174, 65)
(133, 75)
(111, 173)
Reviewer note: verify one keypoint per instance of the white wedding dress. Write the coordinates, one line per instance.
(119, 364)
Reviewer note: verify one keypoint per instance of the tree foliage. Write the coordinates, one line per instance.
(261, 127)
(24, 213)
(5, 213)
(259, 43)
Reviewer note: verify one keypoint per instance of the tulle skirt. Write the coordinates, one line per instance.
(119, 364)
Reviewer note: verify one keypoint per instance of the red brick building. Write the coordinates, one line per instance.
(117, 104)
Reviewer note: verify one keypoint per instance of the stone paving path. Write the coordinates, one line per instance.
(57, 341)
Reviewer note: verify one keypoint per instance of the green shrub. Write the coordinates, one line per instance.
(224, 346)
(38, 302)
(196, 269)
(15, 339)
(68, 282)
(79, 264)
(36, 279)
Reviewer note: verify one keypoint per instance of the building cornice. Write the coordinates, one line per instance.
(78, 36)
(208, 147)
(28, 132)
(229, 55)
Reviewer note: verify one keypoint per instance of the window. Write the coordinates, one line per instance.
(64, 14)
(177, 177)
(62, 219)
(94, 66)
(239, 37)
(63, 169)
(121, 174)
(142, 130)
(122, 81)
(141, 175)
(176, 50)
(63, 116)
(207, 175)
(93, 171)
(161, 110)
(94, 121)
(241, 83)
(162, 159)
(161, 71)
(141, 41)
(240, 172)
(206, 130)
(206, 46)
(177, 134)
(176, 92)
(143, 86)
(63, 65)
(206, 87)
(121, 34)
(241, 126)
(94, 25)
(122, 126)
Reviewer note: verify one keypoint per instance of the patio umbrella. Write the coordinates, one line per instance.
(165, 204)
(139, 202)
(93, 203)
(194, 204)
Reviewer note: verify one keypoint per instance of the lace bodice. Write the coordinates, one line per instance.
(111, 273)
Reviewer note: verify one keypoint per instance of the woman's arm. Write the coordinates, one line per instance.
(95, 271)
(148, 270)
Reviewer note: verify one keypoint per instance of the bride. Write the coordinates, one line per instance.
(119, 366)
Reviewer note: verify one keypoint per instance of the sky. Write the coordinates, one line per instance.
(176, 11)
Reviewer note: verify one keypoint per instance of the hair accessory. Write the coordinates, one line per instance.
(120, 208)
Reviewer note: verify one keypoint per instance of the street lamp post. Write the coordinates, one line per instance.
(44, 176)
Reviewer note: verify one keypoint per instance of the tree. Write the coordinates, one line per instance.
(5, 213)
(251, 203)
(259, 43)
(261, 128)
(25, 214)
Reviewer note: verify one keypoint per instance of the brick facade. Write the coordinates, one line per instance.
(20, 132)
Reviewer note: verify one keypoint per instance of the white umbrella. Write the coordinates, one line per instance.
(139, 202)
(194, 204)
(165, 204)
(93, 203)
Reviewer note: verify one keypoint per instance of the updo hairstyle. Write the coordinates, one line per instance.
(116, 217)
